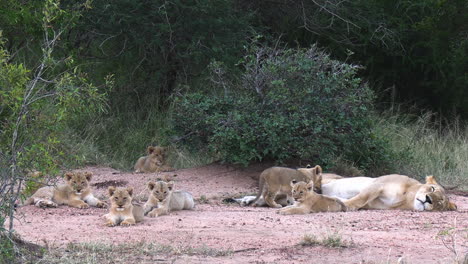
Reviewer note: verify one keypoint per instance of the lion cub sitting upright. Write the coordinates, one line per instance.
(122, 211)
(75, 192)
(154, 162)
(163, 199)
(307, 201)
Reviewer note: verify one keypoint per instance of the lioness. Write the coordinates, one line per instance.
(275, 181)
(308, 201)
(76, 193)
(154, 162)
(390, 192)
(163, 199)
(122, 211)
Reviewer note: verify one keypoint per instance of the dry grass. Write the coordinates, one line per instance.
(128, 253)
(329, 239)
(433, 149)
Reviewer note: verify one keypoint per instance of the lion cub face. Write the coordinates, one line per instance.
(120, 198)
(160, 189)
(300, 189)
(78, 181)
(157, 154)
(431, 197)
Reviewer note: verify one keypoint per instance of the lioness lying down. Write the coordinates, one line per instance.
(163, 199)
(154, 162)
(390, 192)
(307, 201)
(122, 211)
(75, 192)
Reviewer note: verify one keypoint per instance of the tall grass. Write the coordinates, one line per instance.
(433, 148)
(119, 139)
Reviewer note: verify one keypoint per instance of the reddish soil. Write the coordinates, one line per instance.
(254, 235)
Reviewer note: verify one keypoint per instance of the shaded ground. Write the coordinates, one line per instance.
(246, 234)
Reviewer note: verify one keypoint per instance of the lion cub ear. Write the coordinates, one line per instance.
(68, 176)
(150, 149)
(310, 186)
(452, 206)
(293, 182)
(318, 170)
(151, 185)
(170, 185)
(111, 190)
(431, 180)
(130, 191)
(88, 175)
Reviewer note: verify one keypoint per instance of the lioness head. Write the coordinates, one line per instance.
(78, 181)
(431, 197)
(299, 189)
(160, 189)
(315, 175)
(120, 198)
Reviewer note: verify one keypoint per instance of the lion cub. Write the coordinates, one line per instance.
(307, 201)
(163, 199)
(75, 192)
(154, 162)
(122, 211)
(275, 181)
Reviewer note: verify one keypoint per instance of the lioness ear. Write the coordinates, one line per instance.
(452, 206)
(68, 176)
(318, 169)
(88, 175)
(111, 190)
(150, 149)
(130, 191)
(151, 185)
(308, 166)
(170, 185)
(430, 180)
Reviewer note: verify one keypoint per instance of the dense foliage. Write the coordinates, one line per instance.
(413, 51)
(290, 104)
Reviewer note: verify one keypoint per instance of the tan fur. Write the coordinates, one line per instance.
(394, 192)
(75, 193)
(163, 199)
(122, 211)
(275, 181)
(155, 161)
(307, 201)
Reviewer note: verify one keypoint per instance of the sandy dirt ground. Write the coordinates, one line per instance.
(252, 235)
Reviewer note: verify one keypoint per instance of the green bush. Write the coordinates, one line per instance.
(288, 105)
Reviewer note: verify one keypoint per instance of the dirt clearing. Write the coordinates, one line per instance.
(226, 233)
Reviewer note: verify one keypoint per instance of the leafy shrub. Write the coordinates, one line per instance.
(288, 105)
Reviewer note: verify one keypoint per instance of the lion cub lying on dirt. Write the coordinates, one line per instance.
(154, 162)
(75, 192)
(163, 199)
(275, 181)
(122, 211)
(307, 201)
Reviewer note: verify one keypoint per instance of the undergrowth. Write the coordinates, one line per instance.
(432, 148)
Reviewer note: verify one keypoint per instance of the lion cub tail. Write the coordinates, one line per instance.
(261, 184)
